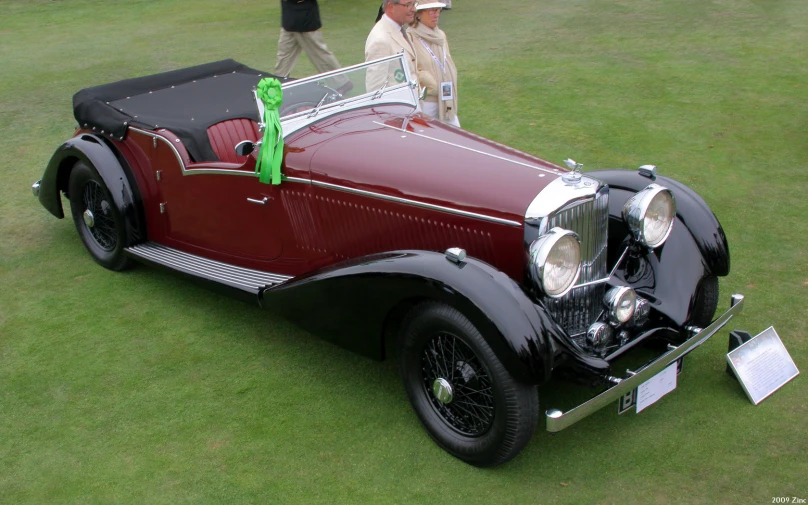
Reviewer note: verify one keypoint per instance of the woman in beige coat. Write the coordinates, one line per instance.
(434, 66)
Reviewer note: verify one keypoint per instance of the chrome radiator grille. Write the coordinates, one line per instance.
(581, 306)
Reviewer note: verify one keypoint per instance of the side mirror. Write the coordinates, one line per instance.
(244, 148)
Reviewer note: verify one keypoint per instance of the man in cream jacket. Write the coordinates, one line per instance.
(388, 37)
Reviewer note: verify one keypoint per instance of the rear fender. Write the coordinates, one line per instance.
(112, 168)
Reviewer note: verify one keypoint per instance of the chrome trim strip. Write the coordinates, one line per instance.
(295, 179)
(194, 171)
(154, 137)
(416, 203)
(553, 172)
(558, 420)
(208, 171)
(218, 171)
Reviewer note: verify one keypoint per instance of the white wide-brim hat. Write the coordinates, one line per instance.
(430, 5)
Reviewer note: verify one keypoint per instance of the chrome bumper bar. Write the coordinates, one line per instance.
(557, 420)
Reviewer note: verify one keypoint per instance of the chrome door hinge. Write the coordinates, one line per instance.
(162, 208)
(159, 175)
(154, 142)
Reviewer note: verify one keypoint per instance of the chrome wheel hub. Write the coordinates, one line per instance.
(89, 219)
(442, 389)
(457, 385)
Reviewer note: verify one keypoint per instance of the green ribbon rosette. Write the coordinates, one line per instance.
(270, 156)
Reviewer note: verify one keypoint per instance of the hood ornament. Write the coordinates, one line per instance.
(574, 177)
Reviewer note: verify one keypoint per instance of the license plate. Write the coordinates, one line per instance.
(650, 391)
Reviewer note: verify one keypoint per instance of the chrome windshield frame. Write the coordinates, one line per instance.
(402, 93)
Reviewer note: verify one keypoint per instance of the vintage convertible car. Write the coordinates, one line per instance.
(491, 270)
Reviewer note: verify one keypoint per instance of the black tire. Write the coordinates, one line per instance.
(489, 416)
(98, 221)
(705, 302)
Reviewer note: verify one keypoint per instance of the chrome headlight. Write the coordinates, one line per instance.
(619, 302)
(649, 215)
(555, 261)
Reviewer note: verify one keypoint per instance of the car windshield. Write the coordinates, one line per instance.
(386, 80)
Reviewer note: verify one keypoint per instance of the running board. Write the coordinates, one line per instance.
(244, 279)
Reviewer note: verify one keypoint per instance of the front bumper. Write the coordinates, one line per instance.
(558, 420)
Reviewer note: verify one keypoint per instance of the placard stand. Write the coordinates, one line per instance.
(762, 365)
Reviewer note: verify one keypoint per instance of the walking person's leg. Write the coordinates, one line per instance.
(319, 54)
(288, 52)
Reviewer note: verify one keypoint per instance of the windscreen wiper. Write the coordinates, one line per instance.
(380, 92)
(317, 109)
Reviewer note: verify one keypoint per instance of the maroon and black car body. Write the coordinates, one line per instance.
(493, 270)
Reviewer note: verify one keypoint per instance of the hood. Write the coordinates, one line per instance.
(394, 151)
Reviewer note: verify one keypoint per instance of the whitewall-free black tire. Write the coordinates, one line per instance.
(465, 398)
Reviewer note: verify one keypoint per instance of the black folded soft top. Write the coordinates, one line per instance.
(185, 101)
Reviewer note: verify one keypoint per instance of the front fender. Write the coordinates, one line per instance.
(669, 276)
(691, 211)
(116, 175)
(349, 302)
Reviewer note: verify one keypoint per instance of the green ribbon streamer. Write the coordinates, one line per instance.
(268, 166)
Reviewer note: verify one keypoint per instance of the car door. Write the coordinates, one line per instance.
(222, 209)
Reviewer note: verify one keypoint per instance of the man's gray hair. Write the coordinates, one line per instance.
(385, 2)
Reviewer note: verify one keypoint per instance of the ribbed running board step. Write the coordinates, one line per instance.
(245, 279)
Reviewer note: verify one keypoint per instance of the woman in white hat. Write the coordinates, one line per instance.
(435, 68)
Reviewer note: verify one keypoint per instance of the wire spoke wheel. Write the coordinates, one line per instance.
(102, 230)
(98, 220)
(464, 397)
(450, 364)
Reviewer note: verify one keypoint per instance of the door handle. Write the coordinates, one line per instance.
(260, 202)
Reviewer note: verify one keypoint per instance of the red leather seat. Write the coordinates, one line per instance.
(224, 136)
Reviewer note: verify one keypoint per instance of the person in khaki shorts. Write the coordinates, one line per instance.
(300, 31)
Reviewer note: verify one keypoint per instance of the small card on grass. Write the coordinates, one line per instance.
(656, 387)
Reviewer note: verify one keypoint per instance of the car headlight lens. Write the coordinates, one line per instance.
(555, 261)
(649, 215)
(619, 302)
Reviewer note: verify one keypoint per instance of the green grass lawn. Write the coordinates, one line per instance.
(143, 388)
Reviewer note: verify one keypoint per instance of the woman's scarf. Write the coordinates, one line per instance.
(431, 35)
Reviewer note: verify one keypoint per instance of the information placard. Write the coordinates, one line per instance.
(762, 365)
(656, 387)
